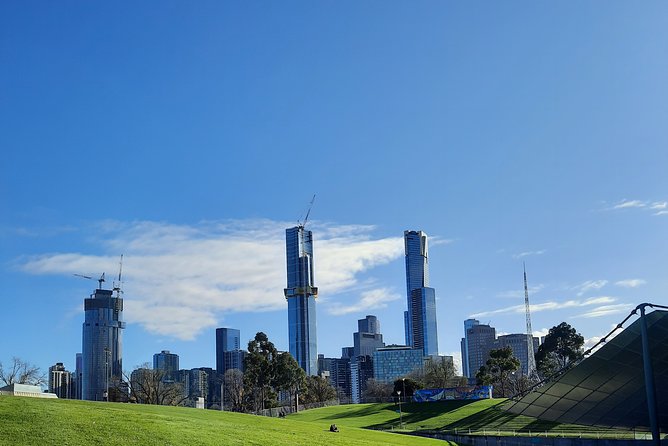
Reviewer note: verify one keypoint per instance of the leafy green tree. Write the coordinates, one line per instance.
(289, 376)
(562, 346)
(498, 369)
(260, 372)
(407, 387)
(318, 390)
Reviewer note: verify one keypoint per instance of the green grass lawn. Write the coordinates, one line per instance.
(35, 421)
(476, 417)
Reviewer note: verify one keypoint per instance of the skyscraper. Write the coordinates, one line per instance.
(480, 340)
(368, 338)
(168, 363)
(468, 323)
(301, 294)
(229, 354)
(102, 344)
(420, 318)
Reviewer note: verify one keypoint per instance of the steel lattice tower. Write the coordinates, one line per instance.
(531, 359)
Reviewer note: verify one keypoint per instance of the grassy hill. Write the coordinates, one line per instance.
(34, 421)
(476, 417)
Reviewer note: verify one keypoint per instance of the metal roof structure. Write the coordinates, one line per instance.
(607, 388)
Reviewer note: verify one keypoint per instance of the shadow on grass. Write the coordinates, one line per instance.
(415, 413)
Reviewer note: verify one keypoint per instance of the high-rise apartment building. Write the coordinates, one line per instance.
(229, 354)
(518, 343)
(102, 344)
(301, 293)
(60, 381)
(420, 318)
(167, 363)
(396, 361)
(480, 340)
(468, 323)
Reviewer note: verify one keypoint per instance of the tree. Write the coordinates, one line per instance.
(377, 391)
(562, 346)
(407, 387)
(149, 386)
(439, 373)
(260, 372)
(289, 376)
(318, 390)
(497, 370)
(233, 381)
(21, 372)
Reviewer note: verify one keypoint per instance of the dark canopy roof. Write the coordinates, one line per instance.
(607, 388)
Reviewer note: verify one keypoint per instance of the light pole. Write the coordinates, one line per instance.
(403, 386)
(222, 393)
(105, 395)
(401, 420)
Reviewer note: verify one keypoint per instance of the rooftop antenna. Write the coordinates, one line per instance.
(308, 212)
(531, 359)
(117, 284)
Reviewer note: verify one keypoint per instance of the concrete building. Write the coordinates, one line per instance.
(479, 341)
(518, 343)
(60, 381)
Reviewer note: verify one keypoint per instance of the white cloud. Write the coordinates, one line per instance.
(540, 333)
(590, 285)
(625, 204)
(630, 283)
(457, 360)
(591, 342)
(180, 278)
(371, 299)
(519, 293)
(659, 205)
(529, 253)
(606, 310)
(548, 306)
(661, 213)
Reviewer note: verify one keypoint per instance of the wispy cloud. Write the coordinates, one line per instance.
(372, 299)
(606, 310)
(548, 306)
(630, 283)
(656, 207)
(529, 253)
(589, 285)
(180, 279)
(519, 293)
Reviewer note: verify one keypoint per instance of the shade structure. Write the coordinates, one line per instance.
(607, 389)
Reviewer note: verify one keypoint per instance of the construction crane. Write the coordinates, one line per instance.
(99, 281)
(117, 284)
(308, 212)
(531, 359)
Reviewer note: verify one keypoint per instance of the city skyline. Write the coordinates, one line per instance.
(189, 137)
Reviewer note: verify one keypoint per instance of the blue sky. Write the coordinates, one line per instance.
(188, 136)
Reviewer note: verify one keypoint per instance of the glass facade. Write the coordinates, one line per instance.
(227, 340)
(102, 344)
(392, 363)
(420, 318)
(480, 340)
(168, 363)
(301, 294)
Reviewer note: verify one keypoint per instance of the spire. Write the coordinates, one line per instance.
(531, 359)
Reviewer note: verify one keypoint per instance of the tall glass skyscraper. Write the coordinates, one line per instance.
(301, 294)
(420, 318)
(168, 363)
(102, 344)
(228, 350)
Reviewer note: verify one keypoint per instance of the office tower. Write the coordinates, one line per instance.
(301, 294)
(480, 340)
(78, 377)
(168, 363)
(337, 372)
(60, 381)
(518, 343)
(229, 354)
(199, 384)
(396, 361)
(102, 344)
(361, 370)
(420, 318)
(368, 338)
(347, 352)
(468, 323)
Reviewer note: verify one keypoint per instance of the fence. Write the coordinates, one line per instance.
(286, 410)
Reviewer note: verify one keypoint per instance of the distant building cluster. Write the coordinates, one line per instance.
(98, 375)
